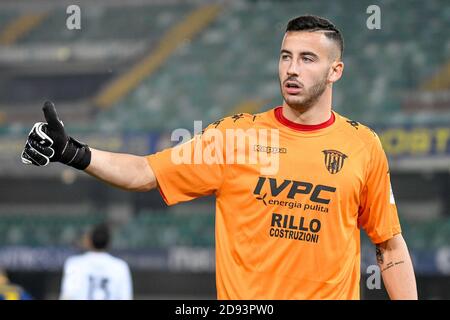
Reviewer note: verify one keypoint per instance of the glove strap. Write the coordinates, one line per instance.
(76, 154)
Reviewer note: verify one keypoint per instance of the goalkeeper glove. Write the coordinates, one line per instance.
(48, 142)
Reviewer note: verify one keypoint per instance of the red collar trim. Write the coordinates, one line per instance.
(302, 127)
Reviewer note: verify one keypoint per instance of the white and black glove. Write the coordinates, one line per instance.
(48, 142)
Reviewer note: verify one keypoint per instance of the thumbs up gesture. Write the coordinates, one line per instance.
(49, 142)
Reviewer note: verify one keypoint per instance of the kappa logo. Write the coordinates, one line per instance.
(354, 124)
(268, 149)
(334, 160)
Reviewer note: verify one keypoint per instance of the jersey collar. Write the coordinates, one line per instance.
(302, 127)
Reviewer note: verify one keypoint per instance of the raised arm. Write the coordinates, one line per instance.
(121, 170)
(397, 269)
(48, 142)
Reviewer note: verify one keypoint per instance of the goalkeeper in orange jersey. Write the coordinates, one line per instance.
(288, 222)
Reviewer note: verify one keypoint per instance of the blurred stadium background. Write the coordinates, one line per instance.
(139, 69)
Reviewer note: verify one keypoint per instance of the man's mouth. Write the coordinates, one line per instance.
(293, 87)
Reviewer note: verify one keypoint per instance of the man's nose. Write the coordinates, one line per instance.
(294, 69)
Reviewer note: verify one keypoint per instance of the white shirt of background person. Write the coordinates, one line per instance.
(96, 274)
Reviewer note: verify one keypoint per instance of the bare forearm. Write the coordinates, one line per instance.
(124, 171)
(397, 269)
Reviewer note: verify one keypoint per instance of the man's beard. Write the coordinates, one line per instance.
(309, 97)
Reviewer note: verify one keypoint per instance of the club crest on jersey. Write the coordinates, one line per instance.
(334, 160)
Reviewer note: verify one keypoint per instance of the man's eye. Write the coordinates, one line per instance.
(284, 57)
(306, 59)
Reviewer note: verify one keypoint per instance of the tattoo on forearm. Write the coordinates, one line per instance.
(388, 266)
(380, 258)
(392, 264)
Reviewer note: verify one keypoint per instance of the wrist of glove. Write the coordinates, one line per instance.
(48, 142)
(75, 154)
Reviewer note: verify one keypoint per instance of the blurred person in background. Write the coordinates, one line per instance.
(11, 291)
(96, 274)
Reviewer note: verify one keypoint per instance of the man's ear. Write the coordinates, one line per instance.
(336, 70)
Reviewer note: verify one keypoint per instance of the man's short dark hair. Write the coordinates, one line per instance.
(314, 23)
(100, 236)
